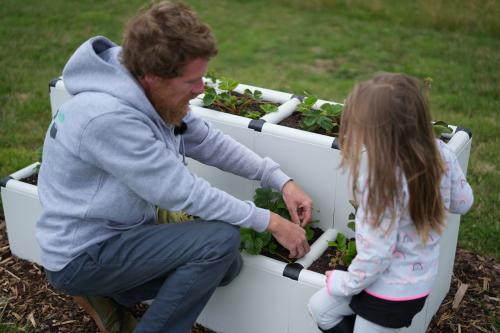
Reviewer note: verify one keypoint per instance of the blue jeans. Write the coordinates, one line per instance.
(177, 265)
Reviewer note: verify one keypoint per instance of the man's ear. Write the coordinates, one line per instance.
(148, 80)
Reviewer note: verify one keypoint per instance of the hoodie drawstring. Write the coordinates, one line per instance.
(183, 151)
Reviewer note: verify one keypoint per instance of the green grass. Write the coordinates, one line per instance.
(318, 46)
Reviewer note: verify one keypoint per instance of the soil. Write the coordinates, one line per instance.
(252, 105)
(295, 119)
(29, 303)
(33, 179)
(282, 253)
(322, 264)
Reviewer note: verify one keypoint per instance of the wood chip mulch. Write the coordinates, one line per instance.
(28, 303)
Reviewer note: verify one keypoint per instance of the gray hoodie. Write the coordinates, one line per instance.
(108, 159)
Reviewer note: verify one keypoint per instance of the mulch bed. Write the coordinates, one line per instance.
(29, 303)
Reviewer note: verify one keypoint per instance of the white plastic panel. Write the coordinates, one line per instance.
(311, 165)
(58, 95)
(22, 210)
(237, 128)
(256, 301)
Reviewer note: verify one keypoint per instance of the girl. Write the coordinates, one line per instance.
(404, 183)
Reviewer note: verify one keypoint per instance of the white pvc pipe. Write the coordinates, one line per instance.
(22, 187)
(273, 96)
(317, 249)
(311, 278)
(25, 172)
(320, 102)
(284, 111)
(197, 101)
(458, 141)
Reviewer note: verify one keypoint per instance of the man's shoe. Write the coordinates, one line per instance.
(109, 316)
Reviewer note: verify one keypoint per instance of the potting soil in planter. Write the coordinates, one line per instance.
(244, 105)
(295, 121)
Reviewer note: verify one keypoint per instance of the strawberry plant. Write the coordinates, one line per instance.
(224, 98)
(327, 118)
(346, 248)
(256, 243)
(440, 128)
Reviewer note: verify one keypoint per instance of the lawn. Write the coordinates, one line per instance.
(320, 47)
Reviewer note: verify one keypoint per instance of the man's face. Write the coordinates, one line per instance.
(170, 97)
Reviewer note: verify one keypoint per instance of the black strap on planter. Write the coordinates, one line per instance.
(5, 180)
(292, 271)
(256, 124)
(335, 144)
(299, 97)
(53, 82)
(466, 130)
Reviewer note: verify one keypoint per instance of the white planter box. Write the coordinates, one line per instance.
(268, 296)
(21, 209)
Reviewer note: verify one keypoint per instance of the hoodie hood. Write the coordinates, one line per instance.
(95, 67)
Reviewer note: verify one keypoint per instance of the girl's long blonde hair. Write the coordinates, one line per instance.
(388, 116)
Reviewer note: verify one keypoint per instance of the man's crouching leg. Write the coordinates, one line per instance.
(214, 260)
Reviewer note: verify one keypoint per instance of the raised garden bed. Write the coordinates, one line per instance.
(269, 295)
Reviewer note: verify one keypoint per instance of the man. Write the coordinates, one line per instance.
(116, 150)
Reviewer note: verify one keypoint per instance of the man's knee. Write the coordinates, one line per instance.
(227, 237)
(233, 271)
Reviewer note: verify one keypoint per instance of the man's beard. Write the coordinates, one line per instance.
(173, 114)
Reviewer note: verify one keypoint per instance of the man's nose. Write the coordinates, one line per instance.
(198, 87)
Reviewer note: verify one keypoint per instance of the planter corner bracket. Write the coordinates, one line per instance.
(292, 271)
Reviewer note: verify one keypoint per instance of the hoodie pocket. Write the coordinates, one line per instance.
(117, 203)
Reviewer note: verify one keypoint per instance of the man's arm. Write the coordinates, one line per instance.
(212, 147)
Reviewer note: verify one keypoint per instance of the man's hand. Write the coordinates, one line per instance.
(290, 235)
(298, 203)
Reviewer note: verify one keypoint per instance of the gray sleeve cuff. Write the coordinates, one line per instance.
(278, 179)
(262, 219)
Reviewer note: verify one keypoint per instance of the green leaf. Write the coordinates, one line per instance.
(341, 241)
(228, 84)
(248, 93)
(310, 101)
(257, 94)
(309, 122)
(212, 75)
(352, 226)
(251, 114)
(208, 99)
(325, 123)
(440, 127)
(309, 232)
(268, 108)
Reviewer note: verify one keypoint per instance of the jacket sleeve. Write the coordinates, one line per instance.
(125, 146)
(374, 247)
(212, 147)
